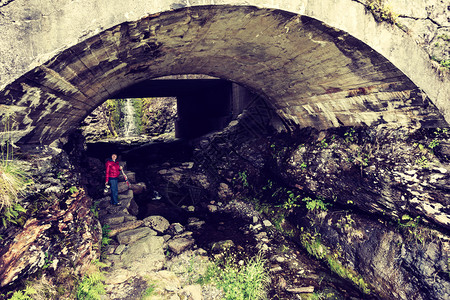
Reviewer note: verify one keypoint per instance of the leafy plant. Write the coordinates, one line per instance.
(11, 214)
(290, 202)
(47, 260)
(91, 287)
(24, 294)
(72, 190)
(105, 235)
(349, 135)
(315, 204)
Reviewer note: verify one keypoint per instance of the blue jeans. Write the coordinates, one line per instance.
(114, 190)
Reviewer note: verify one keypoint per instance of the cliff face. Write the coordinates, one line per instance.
(58, 233)
(373, 203)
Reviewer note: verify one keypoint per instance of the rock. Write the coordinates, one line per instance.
(224, 192)
(116, 229)
(138, 188)
(119, 250)
(175, 228)
(118, 276)
(193, 292)
(167, 281)
(299, 290)
(222, 246)
(178, 245)
(113, 219)
(131, 176)
(195, 225)
(157, 223)
(133, 235)
(212, 208)
(133, 208)
(145, 255)
(267, 223)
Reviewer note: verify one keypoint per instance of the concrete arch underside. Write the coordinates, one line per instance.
(311, 73)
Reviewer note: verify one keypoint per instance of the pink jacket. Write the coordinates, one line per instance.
(112, 169)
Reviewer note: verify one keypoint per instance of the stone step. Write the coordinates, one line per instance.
(114, 219)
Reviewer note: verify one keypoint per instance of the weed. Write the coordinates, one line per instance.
(323, 144)
(382, 11)
(240, 282)
(94, 209)
(12, 184)
(105, 241)
(242, 177)
(433, 144)
(149, 291)
(423, 162)
(349, 135)
(105, 235)
(303, 165)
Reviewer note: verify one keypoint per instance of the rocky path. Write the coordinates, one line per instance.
(155, 259)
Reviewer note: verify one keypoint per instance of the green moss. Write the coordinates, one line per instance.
(315, 248)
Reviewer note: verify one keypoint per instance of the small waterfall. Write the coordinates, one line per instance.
(129, 123)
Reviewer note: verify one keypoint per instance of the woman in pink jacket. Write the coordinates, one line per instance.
(112, 177)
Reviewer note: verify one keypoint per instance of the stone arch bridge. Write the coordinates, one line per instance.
(321, 63)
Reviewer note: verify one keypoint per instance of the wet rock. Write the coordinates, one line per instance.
(138, 188)
(175, 228)
(133, 235)
(157, 223)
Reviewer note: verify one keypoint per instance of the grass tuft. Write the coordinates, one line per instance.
(248, 281)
